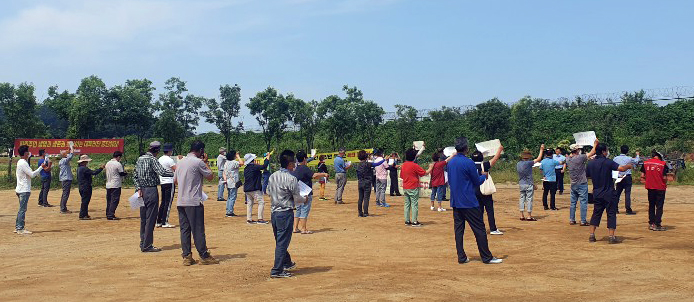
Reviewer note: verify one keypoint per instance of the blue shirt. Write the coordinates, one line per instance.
(548, 166)
(339, 163)
(463, 179)
(561, 159)
(44, 174)
(623, 160)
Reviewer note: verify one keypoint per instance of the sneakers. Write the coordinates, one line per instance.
(209, 260)
(250, 221)
(261, 221)
(416, 224)
(585, 223)
(290, 266)
(112, 218)
(221, 199)
(496, 232)
(151, 249)
(572, 222)
(168, 226)
(652, 227)
(158, 225)
(385, 205)
(494, 261)
(231, 215)
(86, 218)
(282, 275)
(612, 240)
(467, 260)
(407, 223)
(631, 213)
(433, 208)
(188, 260)
(659, 228)
(592, 238)
(23, 232)
(379, 204)
(442, 210)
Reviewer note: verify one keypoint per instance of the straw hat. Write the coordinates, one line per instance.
(84, 158)
(249, 158)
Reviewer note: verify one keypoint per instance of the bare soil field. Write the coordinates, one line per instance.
(349, 258)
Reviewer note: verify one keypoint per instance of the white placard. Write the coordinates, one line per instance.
(136, 202)
(449, 151)
(348, 164)
(304, 189)
(615, 174)
(418, 145)
(313, 153)
(537, 165)
(585, 138)
(489, 148)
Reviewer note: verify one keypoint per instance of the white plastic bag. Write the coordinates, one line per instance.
(488, 187)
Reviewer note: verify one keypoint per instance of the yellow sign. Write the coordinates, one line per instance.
(330, 157)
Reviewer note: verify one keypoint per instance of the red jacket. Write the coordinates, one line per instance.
(410, 173)
(654, 171)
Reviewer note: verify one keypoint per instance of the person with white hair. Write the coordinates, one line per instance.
(576, 163)
(221, 160)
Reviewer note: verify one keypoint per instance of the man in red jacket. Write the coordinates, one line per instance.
(654, 175)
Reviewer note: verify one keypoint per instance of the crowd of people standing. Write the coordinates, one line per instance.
(467, 178)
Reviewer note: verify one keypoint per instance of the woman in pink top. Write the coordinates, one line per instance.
(438, 180)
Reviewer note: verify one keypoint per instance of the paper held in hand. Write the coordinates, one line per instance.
(313, 152)
(449, 151)
(136, 202)
(304, 190)
(489, 148)
(585, 138)
(617, 179)
(418, 145)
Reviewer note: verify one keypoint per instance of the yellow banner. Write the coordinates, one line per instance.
(329, 159)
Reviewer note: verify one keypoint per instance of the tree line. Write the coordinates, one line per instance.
(347, 119)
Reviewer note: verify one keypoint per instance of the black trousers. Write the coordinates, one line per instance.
(86, 195)
(549, 188)
(394, 185)
(625, 185)
(167, 195)
(282, 228)
(112, 201)
(192, 220)
(473, 216)
(148, 216)
(67, 184)
(487, 203)
(560, 180)
(364, 196)
(608, 205)
(656, 200)
(45, 187)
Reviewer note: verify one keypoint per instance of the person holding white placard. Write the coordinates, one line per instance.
(486, 201)
(576, 163)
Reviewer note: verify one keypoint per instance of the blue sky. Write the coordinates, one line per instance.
(422, 53)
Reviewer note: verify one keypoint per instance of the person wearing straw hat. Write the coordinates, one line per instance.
(146, 178)
(253, 187)
(84, 180)
(221, 160)
(576, 163)
(526, 182)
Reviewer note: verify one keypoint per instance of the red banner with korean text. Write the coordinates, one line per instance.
(54, 146)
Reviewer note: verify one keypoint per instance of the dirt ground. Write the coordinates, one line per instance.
(349, 258)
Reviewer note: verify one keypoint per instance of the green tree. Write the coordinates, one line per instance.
(133, 109)
(87, 110)
(169, 129)
(271, 110)
(222, 113)
(19, 118)
(185, 108)
(304, 115)
(405, 121)
(490, 119)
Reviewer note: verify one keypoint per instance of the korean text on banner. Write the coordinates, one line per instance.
(54, 146)
(489, 148)
(585, 138)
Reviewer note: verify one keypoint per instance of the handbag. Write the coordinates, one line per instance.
(487, 187)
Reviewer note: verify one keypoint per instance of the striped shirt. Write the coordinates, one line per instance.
(283, 189)
(147, 171)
